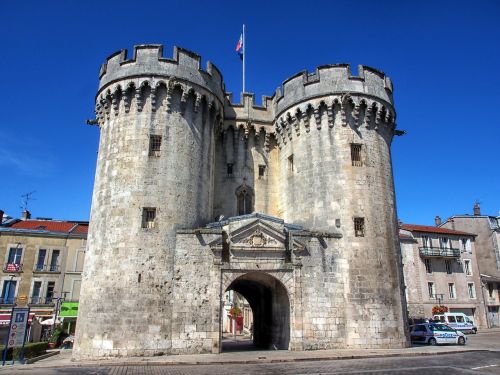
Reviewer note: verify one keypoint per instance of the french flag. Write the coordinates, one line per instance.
(239, 47)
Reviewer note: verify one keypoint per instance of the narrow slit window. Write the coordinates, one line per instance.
(229, 169)
(356, 155)
(244, 201)
(148, 218)
(262, 171)
(359, 226)
(154, 145)
(290, 163)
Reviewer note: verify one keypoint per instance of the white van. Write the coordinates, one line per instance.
(456, 320)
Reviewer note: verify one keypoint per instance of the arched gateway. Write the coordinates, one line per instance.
(268, 299)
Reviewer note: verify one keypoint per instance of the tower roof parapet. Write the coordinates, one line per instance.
(332, 79)
(148, 60)
(247, 110)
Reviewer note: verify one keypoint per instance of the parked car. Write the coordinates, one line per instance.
(436, 333)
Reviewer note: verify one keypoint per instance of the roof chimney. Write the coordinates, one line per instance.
(477, 209)
(26, 215)
(437, 220)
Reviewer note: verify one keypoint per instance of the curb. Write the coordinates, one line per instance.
(256, 361)
(40, 357)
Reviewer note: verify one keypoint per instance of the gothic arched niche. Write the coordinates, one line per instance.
(244, 200)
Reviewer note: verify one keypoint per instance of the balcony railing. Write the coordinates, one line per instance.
(439, 252)
(13, 267)
(46, 268)
(41, 301)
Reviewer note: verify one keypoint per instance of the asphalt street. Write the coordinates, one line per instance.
(478, 362)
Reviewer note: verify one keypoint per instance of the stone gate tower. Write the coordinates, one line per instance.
(302, 191)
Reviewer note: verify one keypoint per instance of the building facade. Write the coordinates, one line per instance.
(289, 203)
(487, 246)
(441, 269)
(42, 265)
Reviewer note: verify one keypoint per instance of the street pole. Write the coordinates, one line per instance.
(58, 302)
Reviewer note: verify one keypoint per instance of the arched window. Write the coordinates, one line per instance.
(244, 200)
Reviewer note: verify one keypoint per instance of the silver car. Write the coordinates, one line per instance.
(436, 333)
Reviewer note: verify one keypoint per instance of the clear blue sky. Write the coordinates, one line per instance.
(443, 57)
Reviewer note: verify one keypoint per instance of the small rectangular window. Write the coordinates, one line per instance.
(448, 266)
(467, 267)
(359, 226)
(471, 290)
(428, 265)
(356, 155)
(35, 295)
(490, 290)
(451, 290)
(465, 245)
(40, 264)
(154, 145)
(290, 163)
(430, 288)
(54, 261)
(49, 295)
(229, 169)
(444, 243)
(8, 292)
(148, 217)
(426, 241)
(262, 171)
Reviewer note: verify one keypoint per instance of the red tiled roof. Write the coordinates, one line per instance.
(81, 229)
(52, 226)
(429, 229)
(49, 225)
(405, 236)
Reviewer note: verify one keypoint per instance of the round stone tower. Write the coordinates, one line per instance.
(334, 131)
(158, 118)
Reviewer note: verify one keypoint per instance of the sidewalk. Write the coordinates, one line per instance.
(63, 360)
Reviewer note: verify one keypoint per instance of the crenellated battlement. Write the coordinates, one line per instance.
(148, 60)
(247, 110)
(333, 79)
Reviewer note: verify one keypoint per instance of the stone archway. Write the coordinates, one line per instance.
(270, 304)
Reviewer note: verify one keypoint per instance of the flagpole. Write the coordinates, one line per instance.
(244, 56)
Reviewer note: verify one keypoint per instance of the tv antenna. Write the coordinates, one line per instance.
(25, 198)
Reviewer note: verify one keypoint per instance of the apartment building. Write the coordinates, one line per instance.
(42, 264)
(440, 268)
(487, 245)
